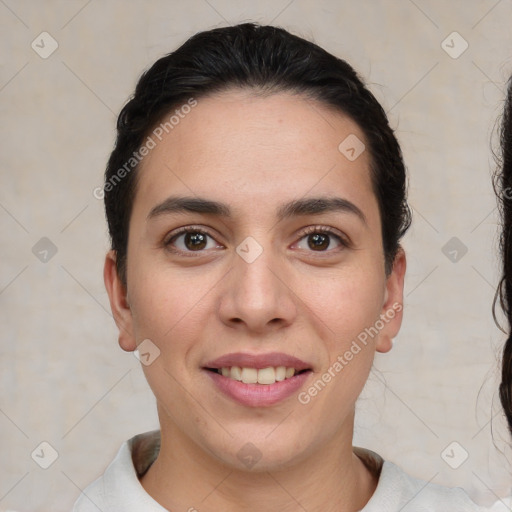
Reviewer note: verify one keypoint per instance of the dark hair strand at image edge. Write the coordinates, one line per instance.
(503, 188)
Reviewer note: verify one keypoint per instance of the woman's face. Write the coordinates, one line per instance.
(281, 265)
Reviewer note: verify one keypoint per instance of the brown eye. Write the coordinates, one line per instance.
(318, 241)
(192, 240)
(321, 239)
(195, 241)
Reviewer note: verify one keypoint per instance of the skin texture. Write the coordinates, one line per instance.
(254, 154)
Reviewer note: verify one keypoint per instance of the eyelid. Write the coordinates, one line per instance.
(168, 239)
(343, 239)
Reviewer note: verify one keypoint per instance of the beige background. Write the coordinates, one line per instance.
(64, 380)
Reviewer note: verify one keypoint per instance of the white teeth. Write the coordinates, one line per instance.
(249, 375)
(266, 376)
(269, 375)
(236, 373)
(280, 373)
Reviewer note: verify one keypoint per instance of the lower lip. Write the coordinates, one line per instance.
(258, 395)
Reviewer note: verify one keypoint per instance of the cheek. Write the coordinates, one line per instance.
(168, 306)
(156, 300)
(346, 303)
(344, 311)
(169, 312)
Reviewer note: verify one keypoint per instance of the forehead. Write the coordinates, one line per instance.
(259, 149)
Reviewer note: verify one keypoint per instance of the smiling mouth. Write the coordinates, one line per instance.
(265, 376)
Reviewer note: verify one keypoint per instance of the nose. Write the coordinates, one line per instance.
(256, 296)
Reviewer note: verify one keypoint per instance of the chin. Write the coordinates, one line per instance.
(262, 453)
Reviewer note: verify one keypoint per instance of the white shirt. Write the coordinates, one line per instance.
(119, 489)
(504, 505)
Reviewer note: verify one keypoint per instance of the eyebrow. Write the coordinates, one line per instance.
(319, 205)
(298, 207)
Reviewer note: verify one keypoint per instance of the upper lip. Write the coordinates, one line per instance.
(258, 361)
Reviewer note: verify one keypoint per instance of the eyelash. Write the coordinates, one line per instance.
(310, 230)
(183, 231)
(306, 232)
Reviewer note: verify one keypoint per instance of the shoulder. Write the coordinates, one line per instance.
(119, 488)
(397, 491)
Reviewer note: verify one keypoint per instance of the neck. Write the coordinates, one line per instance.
(186, 477)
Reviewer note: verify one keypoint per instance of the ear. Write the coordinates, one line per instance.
(392, 309)
(118, 303)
